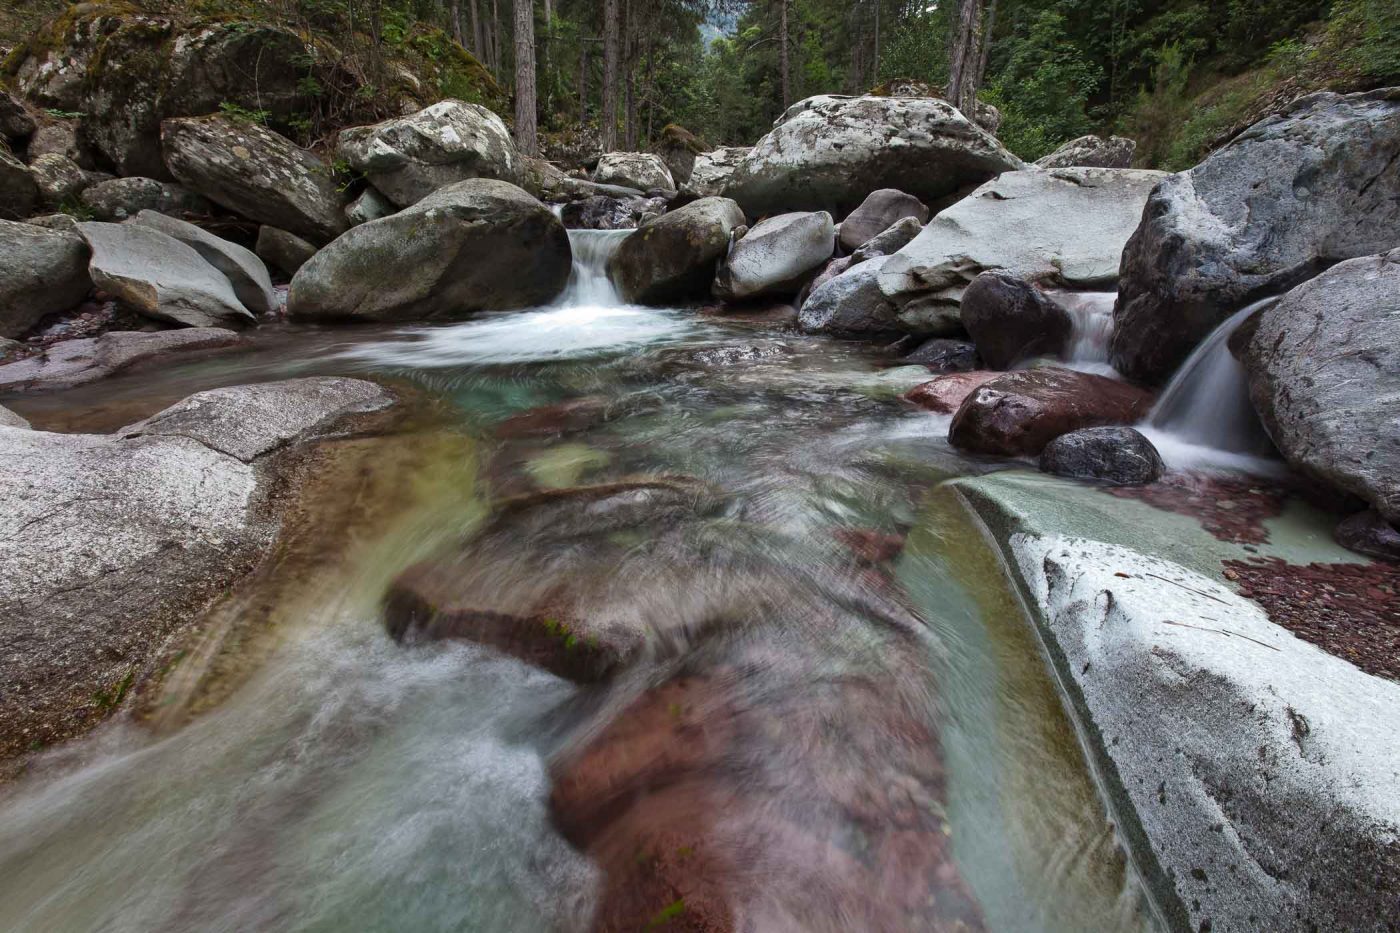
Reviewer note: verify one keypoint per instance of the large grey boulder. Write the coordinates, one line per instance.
(851, 304)
(644, 171)
(120, 198)
(673, 257)
(370, 205)
(59, 180)
(160, 277)
(776, 255)
(243, 269)
(255, 173)
(711, 171)
(19, 193)
(1064, 228)
(830, 152)
(111, 545)
(473, 246)
(888, 242)
(283, 251)
(16, 124)
(1091, 152)
(1324, 375)
(1282, 201)
(1012, 321)
(71, 363)
(58, 137)
(41, 272)
(411, 157)
(877, 213)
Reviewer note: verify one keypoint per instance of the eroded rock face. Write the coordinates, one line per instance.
(1324, 374)
(830, 152)
(1011, 321)
(41, 272)
(243, 269)
(644, 171)
(473, 246)
(111, 544)
(877, 213)
(77, 362)
(411, 157)
(120, 198)
(160, 277)
(255, 173)
(1018, 413)
(711, 171)
(1091, 152)
(1288, 197)
(1064, 228)
(1118, 456)
(673, 257)
(775, 256)
(19, 193)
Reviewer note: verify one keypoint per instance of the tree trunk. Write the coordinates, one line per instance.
(496, 39)
(964, 56)
(783, 64)
(875, 63)
(525, 119)
(583, 82)
(474, 7)
(986, 42)
(607, 120)
(454, 13)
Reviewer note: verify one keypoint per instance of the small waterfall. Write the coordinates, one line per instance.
(1092, 316)
(589, 285)
(1206, 404)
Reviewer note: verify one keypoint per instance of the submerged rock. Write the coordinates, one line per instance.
(1011, 321)
(830, 152)
(644, 171)
(945, 356)
(1324, 375)
(410, 157)
(673, 257)
(160, 277)
(244, 270)
(1064, 228)
(76, 362)
(775, 256)
(1279, 203)
(42, 272)
(473, 246)
(1091, 152)
(112, 544)
(1118, 456)
(1018, 413)
(255, 173)
(877, 213)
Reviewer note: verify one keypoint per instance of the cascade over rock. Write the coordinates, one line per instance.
(673, 257)
(829, 152)
(411, 157)
(1283, 200)
(1324, 375)
(1063, 228)
(473, 246)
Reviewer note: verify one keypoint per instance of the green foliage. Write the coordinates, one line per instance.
(1368, 34)
(111, 698)
(243, 114)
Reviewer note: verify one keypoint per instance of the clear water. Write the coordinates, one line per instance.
(344, 781)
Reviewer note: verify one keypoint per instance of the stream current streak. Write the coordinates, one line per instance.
(716, 657)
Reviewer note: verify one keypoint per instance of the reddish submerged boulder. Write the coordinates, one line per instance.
(946, 394)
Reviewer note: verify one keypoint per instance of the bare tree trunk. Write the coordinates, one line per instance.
(454, 13)
(496, 39)
(875, 63)
(607, 120)
(783, 68)
(526, 139)
(475, 7)
(990, 21)
(629, 57)
(964, 56)
(583, 82)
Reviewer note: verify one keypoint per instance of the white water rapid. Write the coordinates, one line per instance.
(1204, 417)
(1092, 316)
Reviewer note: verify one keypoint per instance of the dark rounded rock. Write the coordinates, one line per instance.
(1011, 320)
(1367, 533)
(942, 355)
(1118, 456)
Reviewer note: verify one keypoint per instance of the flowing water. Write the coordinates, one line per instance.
(830, 627)
(1092, 316)
(1204, 417)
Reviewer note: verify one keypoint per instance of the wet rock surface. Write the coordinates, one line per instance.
(1279, 203)
(472, 246)
(75, 362)
(1118, 456)
(1018, 413)
(112, 543)
(1367, 533)
(942, 355)
(946, 394)
(1012, 321)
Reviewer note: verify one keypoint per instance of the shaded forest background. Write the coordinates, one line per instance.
(1176, 75)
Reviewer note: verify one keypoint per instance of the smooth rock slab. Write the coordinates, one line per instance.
(1255, 773)
(76, 362)
(42, 271)
(111, 545)
(1324, 375)
(243, 269)
(162, 278)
